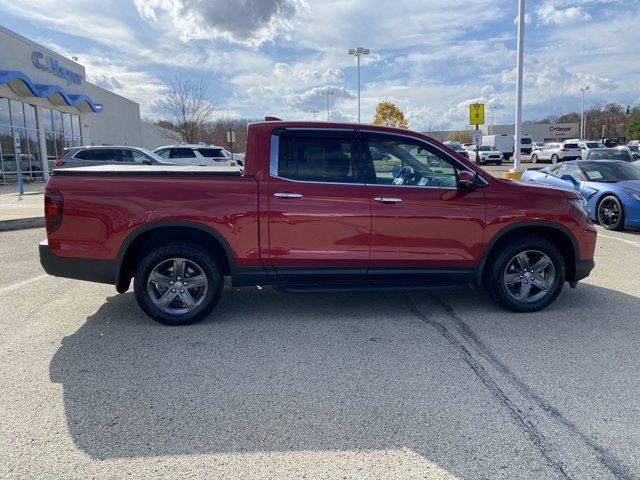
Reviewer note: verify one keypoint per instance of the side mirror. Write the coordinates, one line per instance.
(467, 180)
(569, 178)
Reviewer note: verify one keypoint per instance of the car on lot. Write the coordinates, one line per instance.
(634, 148)
(587, 145)
(616, 153)
(456, 147)
(105, 155)
(313, 211)
(611, 188)
(485, 154)
(556, 152)
(203, 155)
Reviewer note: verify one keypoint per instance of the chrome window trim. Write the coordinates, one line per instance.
(274, 152)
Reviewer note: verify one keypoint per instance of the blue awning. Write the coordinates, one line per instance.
(22, 85)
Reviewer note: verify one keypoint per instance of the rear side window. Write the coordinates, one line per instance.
(99, 155)
(211, 152)
(316, 159)
(181, 153)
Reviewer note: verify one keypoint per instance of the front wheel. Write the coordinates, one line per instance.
(611, 213)
(554, 158)
(527, 275)
(178, 283)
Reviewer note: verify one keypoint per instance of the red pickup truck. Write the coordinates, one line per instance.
(319, 206)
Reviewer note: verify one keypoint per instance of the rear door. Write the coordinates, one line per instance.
(422, 225)
(319, 217)
(97, 156)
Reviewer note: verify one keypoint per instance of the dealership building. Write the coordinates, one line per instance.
(47, 104)
(539, 132)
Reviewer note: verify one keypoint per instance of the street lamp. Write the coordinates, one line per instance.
(582, 129)
(358, 52)
(315, 111)
(519, 72)
(326, 92)
(492, 107)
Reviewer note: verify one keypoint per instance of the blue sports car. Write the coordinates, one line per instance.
(611, 188)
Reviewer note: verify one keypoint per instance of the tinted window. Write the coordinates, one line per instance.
(211, 152)
(181, 153)
(610, 154)
(316, 159)
(99, 154)
(571, 145)
(525, 141)
(609, 171)
(407, 162)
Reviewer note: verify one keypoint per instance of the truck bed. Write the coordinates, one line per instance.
(151, 170)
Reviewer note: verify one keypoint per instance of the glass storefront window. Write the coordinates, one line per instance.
(7, 157)
(30, 116)
(17, 113)
(75, 124)
(47, 120)
(5, 117)
(57, 121)
(66, 124)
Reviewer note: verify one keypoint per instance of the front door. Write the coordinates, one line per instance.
(319, 217)
(423, 225)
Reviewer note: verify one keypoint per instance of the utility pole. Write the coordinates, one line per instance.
(315, 112)
(358, 52)
(326, 92)
(492, 107)
(520, 65)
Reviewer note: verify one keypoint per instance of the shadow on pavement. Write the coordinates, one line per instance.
(277, 372)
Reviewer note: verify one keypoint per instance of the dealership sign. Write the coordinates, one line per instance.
(51, 65)
(560, 130)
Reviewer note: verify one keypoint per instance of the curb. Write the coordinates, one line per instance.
(512, 175)
(21, 224)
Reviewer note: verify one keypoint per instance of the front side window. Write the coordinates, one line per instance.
(407, 162)
(316, 159)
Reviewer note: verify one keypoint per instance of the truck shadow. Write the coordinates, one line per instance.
(277, 372)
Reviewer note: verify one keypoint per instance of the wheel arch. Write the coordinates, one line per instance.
(558, 234)
(164, 231)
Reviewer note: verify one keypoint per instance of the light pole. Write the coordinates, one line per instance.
(315, 112)
(326, 92)
(492, 107)
(358, 52)
(582, 129)
(520, 63)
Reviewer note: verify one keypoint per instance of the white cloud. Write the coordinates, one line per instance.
(549, 14)
(313, 99)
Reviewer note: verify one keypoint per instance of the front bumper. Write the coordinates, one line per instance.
(582, 270)
(88, 269)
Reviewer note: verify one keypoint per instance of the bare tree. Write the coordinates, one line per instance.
(189, 108)
(434, 130)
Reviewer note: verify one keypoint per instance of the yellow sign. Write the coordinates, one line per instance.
(476, 114)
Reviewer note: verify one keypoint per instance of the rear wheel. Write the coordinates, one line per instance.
(611, 213)
(178, 283)
(554, 158)
(534, 158)
(527, 275)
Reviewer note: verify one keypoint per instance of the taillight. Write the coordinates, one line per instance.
(53, 203)
(564, 149)
(59, 161)
(220, 159)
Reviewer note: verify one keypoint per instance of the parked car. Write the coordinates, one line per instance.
(587, 145)
(314, 212)
(634, 148)
(556, 152)
(456, 147)
(610, 154)
(611, 188)
(611, 142)
(486, 153)
(202, 155)
(103, 155)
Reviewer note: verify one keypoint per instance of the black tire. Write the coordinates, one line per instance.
(554, 158)
(610, 213)
(534, 158)
(498, 163)
(498, 269)
(195, 256)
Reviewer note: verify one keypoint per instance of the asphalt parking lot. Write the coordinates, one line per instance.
(274, 385)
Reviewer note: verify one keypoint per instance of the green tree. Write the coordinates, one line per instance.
(389, 114)
(633, 129)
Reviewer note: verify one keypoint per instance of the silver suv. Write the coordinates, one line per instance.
(102, 155)
(196, 154)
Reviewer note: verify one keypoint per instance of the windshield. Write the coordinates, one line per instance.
(525, 141)
(610, 154)
(609, 171)
(595, 145)
(485, 148)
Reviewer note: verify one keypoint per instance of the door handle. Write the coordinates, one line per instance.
(388, 199)
(287, 195)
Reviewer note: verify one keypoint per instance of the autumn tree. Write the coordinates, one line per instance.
(633, 129)
(390, 115)
(462, 136)
(189, 109)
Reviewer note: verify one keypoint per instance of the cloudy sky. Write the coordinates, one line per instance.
(274, 57)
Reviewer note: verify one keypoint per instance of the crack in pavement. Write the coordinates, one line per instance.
(518, 399)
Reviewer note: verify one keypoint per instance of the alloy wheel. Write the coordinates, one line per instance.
(177, 286)
(529, 276)
(608, 212)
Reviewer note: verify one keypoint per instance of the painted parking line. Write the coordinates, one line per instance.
(630, 242)
(15, 286)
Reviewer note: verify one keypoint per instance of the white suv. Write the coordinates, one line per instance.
(587, 145)
(205, 155)
(556, 152)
